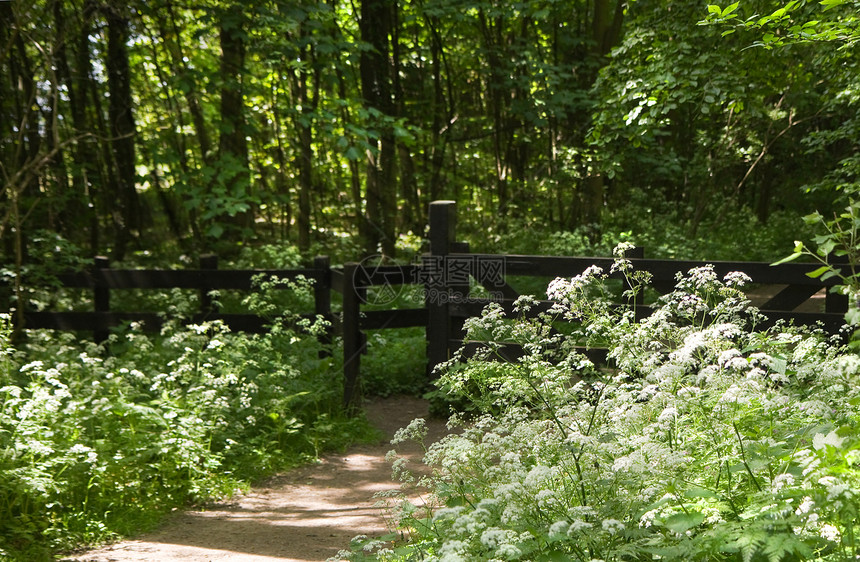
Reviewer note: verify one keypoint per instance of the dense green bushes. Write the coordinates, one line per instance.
(96, 444)
(709, 439)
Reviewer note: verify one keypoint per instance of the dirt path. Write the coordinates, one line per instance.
(305, 515)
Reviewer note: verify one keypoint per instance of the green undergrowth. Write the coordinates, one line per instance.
(663, 230)
(395, 363)
(99, 441)
(707, 437)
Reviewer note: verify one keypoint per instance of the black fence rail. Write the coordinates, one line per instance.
(445, 275)
(102, 280)
(449, 302)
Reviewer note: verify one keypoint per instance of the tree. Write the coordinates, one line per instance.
(376, 25)
(127, 216)
(232, 179)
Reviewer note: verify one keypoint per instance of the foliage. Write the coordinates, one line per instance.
(395, 363)
(710, 438)
(95, 445)
(661, 229)
(837, 248)
(835, 21)
(558, 114)
(836, 33)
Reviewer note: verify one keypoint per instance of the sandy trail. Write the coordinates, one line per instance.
(305, 515)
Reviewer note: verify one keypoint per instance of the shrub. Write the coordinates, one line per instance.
(707, 437)
(95, 444)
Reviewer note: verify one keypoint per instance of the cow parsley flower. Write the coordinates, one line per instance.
(781, 481)
(820, 440)
(830, 533)
(558, 528)
(736, 279)
(612, 526)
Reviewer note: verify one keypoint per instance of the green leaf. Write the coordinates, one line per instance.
(555, 556)
(714, 9)
(682, 522)
(787, 259)
(813, 218)
(730, 8)
(696, 492)
(779, 364)
(818, 272)
(215, 231)
(831, 3)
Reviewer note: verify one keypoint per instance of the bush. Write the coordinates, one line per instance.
(707, 438)
(95, 444)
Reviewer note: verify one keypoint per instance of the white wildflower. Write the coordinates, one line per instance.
(621, 248)
(782, 481)
(509, 551)
(579, 525)
(415, 431)
(492, 538)
(538, 475)
(79, 449)
(612, 526)
(668, 414)
(647, 519)
(30, 366)
(14, 391)
(736, 279)
(830, 533)
(819, 441)
(835, 487)
(805, 506)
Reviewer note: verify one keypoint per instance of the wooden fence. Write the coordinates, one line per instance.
(444, 274)
(101, 280)
(449, 266)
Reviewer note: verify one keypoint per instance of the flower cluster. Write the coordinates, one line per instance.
(704, 438)
(157, 422)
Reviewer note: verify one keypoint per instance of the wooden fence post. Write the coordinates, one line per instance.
(353, 339)
(437, 293)
(322, 301)
(207, 307)
(101, 295)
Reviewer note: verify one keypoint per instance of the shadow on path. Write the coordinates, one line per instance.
(305, 515)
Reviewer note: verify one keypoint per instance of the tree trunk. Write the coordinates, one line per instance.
(304, 159)
(361, 219)
(122, 129)
(605, 33)
(375, 25)
(439, 109)
(232, 144)
(86, 155)
(74, 211)
(189, 87)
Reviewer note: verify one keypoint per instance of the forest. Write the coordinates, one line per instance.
(156, 126)
(271, 131)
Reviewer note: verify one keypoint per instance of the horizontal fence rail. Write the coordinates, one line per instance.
(101, 280)
(454, 265)
(444, 274)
